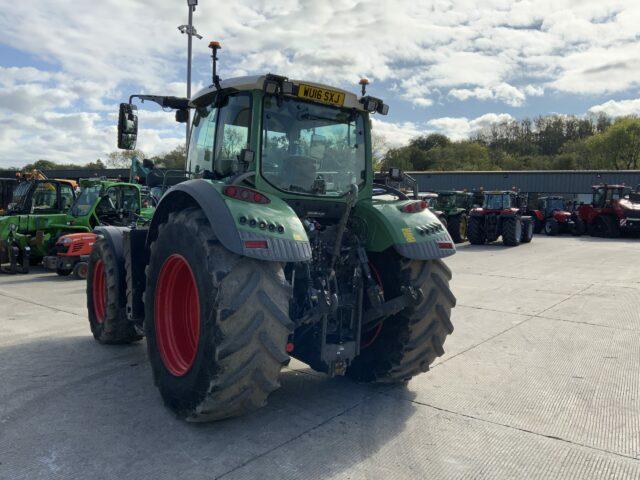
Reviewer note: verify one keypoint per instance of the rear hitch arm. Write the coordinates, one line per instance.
(411, 296)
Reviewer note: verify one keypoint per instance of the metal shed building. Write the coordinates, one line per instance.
(574, 183)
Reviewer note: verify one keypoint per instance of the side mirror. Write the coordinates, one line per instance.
(127, 126)
(182, 116)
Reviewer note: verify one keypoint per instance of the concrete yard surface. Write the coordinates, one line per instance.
(541, 379)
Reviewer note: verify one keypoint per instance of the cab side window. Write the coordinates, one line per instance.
(598, 197)
(232, 135)
(130, 200)
(66, 196)
(201, 141)
(45, 198)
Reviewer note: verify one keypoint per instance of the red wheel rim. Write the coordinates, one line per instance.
(99, 291)
(177, 315)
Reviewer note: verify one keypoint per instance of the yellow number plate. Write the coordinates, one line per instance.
(322, 95)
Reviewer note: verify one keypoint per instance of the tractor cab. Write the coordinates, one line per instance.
(301, 141)
(502, 200)
(548, 205)
(103, 202)
(41, 197)
(610, 195)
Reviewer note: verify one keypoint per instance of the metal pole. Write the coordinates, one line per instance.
(189, 42)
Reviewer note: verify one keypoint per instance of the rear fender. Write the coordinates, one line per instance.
(225, 214)
(419, 235)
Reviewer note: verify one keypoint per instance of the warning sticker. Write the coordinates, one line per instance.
(408, 235)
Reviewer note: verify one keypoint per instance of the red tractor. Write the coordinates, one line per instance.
(502, 214)
(557, 219)
(614, 209)
(72, 255)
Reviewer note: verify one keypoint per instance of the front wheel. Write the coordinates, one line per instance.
(408, 342)
(217, 324)
(106, 294)
(551, 227)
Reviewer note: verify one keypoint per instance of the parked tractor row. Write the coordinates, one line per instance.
(481, 217)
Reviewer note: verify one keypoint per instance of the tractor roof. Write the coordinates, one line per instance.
(610, 185)
(452, 192)
(256, 82)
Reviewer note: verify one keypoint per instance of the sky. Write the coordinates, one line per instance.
(448, 66)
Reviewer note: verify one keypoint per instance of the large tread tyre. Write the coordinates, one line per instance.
(551, 227)
(604, 226)
(242, 323)
(106, 298)
(611, 227)
(511, 231)
(457, 226)
(411, 340)
(475, 231)
(527, 231)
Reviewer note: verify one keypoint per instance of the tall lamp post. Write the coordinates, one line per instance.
(191, 32)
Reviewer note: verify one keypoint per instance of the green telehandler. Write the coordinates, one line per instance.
(279, 245)
(100, 203)
(37, 208)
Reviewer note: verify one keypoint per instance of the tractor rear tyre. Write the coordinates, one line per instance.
(511, 231)
(551, 227)
(604, 226)
(106, 293)
(527, 231)
(217, 323)
(457, 226)
(475, 231)
(410, 341)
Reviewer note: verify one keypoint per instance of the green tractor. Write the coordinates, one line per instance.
(100, 203)
(277, 247)
(455, 207)
(37, 210)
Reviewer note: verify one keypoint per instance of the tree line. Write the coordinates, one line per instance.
(554, 142)
(173, 159)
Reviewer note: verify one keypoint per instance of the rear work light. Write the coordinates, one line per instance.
(414, 207)
(245, 194)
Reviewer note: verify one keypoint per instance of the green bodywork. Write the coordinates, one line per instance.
(381, 222)
(39, 232)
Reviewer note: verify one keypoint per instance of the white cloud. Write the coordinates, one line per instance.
(619, 108)
(456, 128)
(460, 128)
(506, 51)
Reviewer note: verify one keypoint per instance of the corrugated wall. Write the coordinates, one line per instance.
(562, 182)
